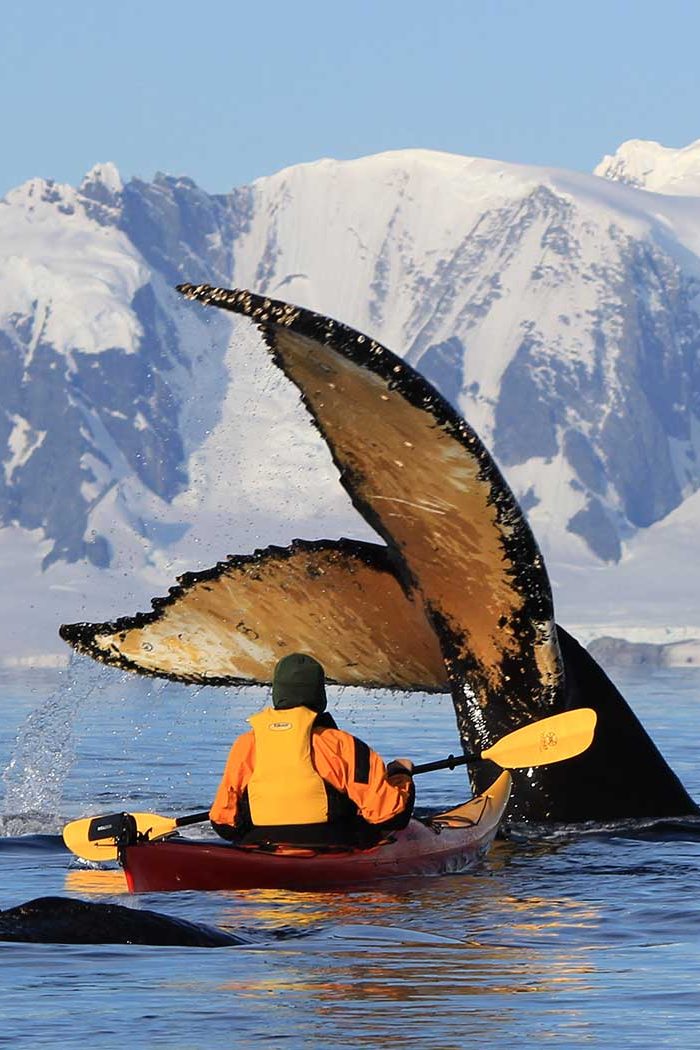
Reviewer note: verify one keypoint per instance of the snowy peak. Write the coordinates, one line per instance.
(650, 166)
(103, 183)
(38, 198)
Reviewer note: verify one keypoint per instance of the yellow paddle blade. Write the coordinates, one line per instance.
(542, 743)
(84, 837)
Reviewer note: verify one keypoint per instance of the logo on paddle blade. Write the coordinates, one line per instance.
(548, 740)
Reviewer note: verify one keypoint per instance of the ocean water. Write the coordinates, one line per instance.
(565, 940)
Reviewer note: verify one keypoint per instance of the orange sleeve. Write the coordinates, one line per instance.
(237, 773)
(378, 797)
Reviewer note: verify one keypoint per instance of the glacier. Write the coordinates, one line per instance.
(557, 311)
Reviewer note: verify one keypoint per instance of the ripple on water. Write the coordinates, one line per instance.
(581, 939)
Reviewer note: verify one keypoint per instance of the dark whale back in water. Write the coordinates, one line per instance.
(623, 773)
(458, 599)
(64, 920)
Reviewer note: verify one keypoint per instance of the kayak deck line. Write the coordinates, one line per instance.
(447, 843)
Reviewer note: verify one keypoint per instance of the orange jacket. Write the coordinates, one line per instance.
(342, 761)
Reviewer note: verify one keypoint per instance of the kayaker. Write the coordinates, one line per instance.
(297, 778)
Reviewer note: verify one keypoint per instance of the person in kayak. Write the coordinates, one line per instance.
(297, 778)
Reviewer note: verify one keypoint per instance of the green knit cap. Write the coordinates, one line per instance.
(299, 681)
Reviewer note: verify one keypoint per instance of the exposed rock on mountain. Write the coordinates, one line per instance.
(557, 312)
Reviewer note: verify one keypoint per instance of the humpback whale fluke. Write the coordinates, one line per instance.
(458, 599)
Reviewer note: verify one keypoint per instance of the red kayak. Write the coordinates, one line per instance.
(448, 842)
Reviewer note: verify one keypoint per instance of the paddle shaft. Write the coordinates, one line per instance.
(193, 818)
(445, 763)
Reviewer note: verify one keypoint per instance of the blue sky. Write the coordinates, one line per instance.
(227, 91)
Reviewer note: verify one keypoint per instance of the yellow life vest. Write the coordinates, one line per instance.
(285, 788)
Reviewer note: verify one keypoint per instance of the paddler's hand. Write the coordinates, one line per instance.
(402, 766)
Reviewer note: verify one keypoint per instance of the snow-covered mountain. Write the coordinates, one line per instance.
(558, 311)
(650, 166)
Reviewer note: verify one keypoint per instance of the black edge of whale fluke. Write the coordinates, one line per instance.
(67, 920)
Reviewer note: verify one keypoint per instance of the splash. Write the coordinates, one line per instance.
(44, 753)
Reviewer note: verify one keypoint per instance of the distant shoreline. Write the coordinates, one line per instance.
(619, 652)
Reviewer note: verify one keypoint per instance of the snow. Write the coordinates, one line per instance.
(23, 441)
(650, 595)
(668, 184)
(249, 487)
(316, 210)
(387, 244)
(651, 166)
(78, 276)
(107, 175)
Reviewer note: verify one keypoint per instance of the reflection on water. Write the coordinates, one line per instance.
(445, 994)
(578, 940)
(458, 906)
(95, 882)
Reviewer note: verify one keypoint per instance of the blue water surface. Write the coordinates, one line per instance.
(566, 940)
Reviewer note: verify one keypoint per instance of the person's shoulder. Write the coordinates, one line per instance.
(244, 739)
(335, 737)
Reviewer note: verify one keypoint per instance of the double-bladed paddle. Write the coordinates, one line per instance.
(538, 744)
